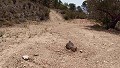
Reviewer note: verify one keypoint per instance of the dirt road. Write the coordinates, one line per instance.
(47, 40)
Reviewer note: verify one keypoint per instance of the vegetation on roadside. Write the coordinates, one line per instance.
(105, 11)
(22, 10)
(36, 10)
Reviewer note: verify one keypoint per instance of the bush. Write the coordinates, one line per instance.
(66, 17)
(73, 15)
(23, 10)
(81, 15)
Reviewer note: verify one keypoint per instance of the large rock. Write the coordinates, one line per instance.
(118, 25)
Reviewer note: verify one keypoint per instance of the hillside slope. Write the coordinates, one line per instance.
(22, 10)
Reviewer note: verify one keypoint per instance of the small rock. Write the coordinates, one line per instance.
(22, 62)
(36, 54)
(24, 65)
(112, 43)
(62, 61)
(81, 51)
(105, 61)
(25, 57)
(1, 34)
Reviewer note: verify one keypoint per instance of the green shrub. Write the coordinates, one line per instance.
(66, 17)
(81, 15)
(73, 15)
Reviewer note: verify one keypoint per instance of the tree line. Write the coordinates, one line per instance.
(107, 12)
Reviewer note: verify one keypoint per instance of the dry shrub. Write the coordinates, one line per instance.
(22, 10)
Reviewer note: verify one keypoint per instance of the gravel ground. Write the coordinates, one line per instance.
(44, 42)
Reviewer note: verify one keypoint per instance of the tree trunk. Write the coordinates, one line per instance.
(112, 24)
(114, 21)
(115, 18)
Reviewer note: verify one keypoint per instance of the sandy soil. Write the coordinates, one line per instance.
(47, 39)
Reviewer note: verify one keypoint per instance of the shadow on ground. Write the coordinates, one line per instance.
(97, 27)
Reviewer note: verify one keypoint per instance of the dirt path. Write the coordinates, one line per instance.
(48, 39)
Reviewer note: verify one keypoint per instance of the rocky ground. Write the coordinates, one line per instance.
(44, 42)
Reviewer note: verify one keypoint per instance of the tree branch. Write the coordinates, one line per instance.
(106, 12)
(115, 18)
(118, 17)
